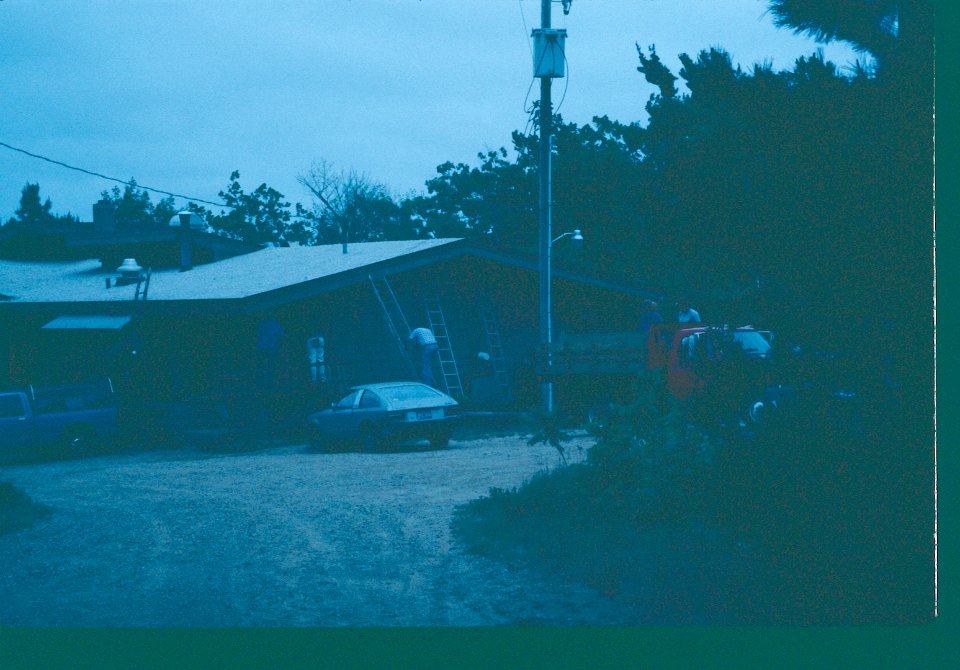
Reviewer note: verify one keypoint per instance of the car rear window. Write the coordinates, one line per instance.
(369, 400)
(400, 394)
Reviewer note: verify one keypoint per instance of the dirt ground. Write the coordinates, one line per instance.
(278, 537)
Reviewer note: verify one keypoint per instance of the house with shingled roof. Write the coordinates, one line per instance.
(171, 333)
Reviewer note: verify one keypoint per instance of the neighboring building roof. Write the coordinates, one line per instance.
(230, 279)
(94, 239)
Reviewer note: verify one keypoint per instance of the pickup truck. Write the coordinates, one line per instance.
(727, 370)
(75, 416)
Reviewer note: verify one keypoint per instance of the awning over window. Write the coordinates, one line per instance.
(88, 322)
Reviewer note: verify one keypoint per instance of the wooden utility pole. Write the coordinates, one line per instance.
(544, 222)
(549, 61)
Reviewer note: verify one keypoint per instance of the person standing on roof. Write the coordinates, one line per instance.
(427, 343)
(686, 313)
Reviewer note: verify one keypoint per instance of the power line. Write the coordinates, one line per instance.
(566, 83)
(119, 181)
(526, 30)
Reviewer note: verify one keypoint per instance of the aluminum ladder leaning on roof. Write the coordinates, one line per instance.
(396, 321)
(143, 281)
(448, 362)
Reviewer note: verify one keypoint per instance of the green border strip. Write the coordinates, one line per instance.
(549, 648)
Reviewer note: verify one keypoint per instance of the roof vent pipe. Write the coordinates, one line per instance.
(186, 221)
(186, 257)
(129, 272)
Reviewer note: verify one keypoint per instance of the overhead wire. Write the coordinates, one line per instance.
(566, 83)
(528, 111)
(526, 30)
(566, 79)
(527, 127)
(119, 181)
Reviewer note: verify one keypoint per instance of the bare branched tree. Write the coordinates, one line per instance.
(348, 206)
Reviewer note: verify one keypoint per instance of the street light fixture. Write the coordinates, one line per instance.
(575, 235)
(546, 388)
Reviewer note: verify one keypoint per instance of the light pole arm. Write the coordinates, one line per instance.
(576, 234)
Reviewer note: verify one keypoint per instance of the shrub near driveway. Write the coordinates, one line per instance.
(17, 510)
(811, 520)
(634, 522)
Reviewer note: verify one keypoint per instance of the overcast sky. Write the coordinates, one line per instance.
(179, 93)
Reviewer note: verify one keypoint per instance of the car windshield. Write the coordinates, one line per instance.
(348, 401)
(404, 394)
(752, 342)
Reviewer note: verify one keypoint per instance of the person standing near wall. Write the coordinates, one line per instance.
(686, 313)
(316, 354)
(425, 340)
(270, 336)
(650, 316)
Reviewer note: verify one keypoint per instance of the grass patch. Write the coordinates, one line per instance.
(17, 510)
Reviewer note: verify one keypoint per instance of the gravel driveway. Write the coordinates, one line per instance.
(279, 537)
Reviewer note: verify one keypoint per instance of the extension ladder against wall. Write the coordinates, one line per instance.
(491, 330)
(394, 317)
(449, 372)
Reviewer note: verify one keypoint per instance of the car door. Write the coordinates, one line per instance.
(16, 426)
(340, 420)
(682, 379)
(370, 408)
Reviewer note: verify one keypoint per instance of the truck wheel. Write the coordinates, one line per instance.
(598, 416)
(79, 438)
(758, 412)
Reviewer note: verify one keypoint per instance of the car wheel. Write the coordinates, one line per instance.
(374, 437)
(319, 441)
(440, 439)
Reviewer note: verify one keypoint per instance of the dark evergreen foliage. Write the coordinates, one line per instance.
(31, 212)
(801, 198)
(259, 217)
(134, 209)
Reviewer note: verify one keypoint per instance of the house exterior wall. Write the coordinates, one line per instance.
(188, 350)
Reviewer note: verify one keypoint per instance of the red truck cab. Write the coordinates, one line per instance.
(690, 355)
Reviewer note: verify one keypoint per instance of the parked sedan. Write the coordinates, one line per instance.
(380, 414)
